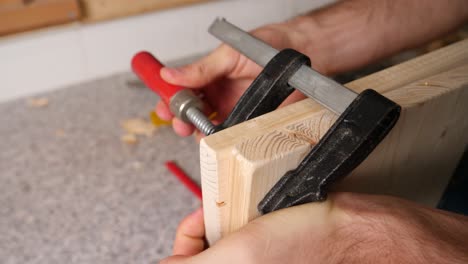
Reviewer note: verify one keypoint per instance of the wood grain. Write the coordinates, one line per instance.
(415, 161)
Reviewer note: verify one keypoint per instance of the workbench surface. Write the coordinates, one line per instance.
(72, 192)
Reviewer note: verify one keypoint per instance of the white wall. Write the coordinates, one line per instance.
(39, 61)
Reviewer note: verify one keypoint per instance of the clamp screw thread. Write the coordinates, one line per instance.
(200, 121)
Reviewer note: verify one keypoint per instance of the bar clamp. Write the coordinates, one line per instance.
(365, 120)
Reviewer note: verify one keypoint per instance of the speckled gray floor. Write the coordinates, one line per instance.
(84, 196)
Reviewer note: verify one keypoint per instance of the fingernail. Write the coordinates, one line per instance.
(170, 73)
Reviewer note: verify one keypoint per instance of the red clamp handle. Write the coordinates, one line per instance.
(148, 68)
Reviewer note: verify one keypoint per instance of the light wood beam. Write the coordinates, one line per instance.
(416, 160)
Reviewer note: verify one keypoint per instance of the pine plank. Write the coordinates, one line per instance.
(415, 161)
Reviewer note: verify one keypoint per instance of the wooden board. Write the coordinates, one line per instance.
(95, 10)
(415, 161)
(20, 15)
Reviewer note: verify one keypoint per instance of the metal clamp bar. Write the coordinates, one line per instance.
(324, 90)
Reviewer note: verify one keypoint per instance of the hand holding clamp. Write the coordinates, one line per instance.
(365, 118)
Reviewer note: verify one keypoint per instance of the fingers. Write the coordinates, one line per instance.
(231, 71)
(196, 75)
(268, 239)
(174, 260)
(223, 62)
(190, 234)
(355, 227)
(181, 128)
(204, 71)
(189, 239)
(163, 111)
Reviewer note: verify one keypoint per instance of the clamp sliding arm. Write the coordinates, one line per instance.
(324, 90)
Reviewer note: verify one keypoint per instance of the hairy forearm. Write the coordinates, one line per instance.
(353, 33)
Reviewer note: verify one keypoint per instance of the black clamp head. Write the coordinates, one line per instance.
(346, 144)
(268, 90)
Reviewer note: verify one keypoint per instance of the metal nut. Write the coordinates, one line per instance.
(182, 101)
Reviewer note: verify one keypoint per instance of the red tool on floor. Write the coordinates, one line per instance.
(184, 178)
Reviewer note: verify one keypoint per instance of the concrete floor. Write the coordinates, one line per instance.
(72, 192)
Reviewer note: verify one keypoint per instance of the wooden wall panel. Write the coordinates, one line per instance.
(22, 15)
(94, 10)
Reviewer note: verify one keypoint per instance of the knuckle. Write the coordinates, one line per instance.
(201, 68)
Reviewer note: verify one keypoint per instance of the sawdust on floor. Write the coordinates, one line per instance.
(138, 126)
(130, 139)
(135, 127)
(38, 102)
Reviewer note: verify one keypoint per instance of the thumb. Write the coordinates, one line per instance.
(221, 62)
(174, 260)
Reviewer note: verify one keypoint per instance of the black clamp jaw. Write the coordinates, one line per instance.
(361, 127)
(268, 90)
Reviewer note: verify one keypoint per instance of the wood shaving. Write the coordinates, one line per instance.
(130, 139)
(138, 126)
(157, 121)
(136, 165)
(59, 133)
(38, 102)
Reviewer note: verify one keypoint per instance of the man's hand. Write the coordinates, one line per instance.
(347, 228)
(338, 38)
(224, 75)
